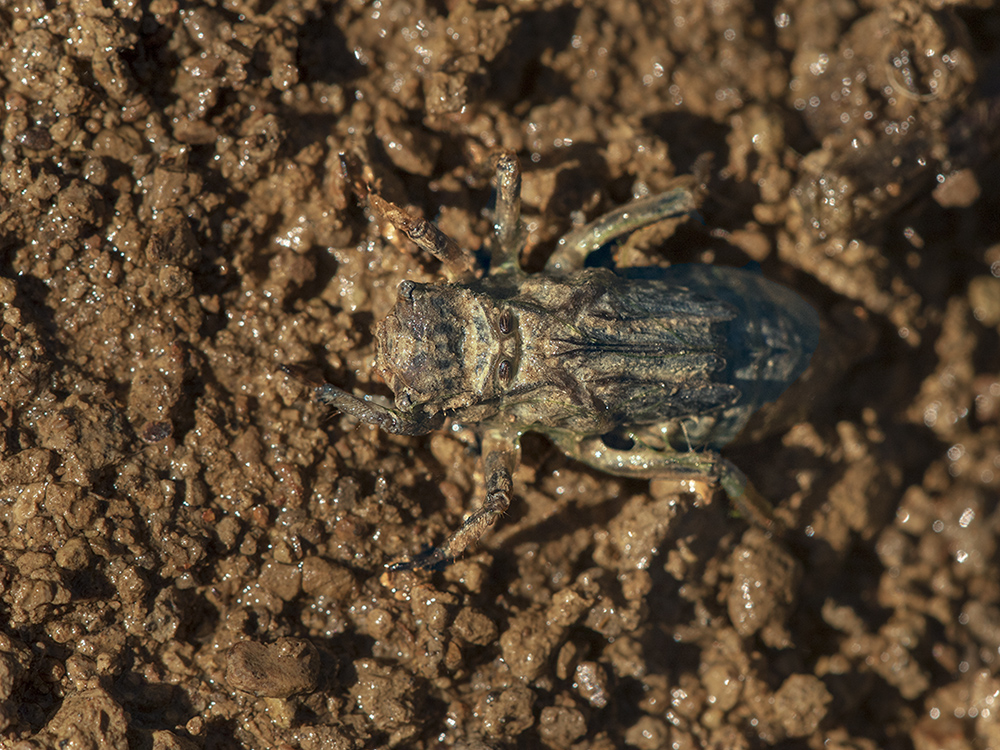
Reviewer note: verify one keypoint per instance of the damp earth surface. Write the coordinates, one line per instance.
(193, 553)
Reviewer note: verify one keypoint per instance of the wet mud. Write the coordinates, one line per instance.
(193, 554)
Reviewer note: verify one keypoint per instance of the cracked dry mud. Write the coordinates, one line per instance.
(192, 553)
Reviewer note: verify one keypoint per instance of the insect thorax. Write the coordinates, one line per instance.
(585, 352)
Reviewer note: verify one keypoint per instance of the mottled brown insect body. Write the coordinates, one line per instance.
(641, 373)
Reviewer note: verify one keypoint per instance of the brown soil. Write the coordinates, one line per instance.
(192, 553)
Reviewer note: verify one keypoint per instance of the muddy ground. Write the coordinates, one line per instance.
(193, 553)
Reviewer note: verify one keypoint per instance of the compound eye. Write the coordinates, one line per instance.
(505, 371)
(506, 323)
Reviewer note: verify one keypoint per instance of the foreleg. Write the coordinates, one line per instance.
(500, 457)
(458, 263)
(384, 417)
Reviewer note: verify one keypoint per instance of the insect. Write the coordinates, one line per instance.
(639, 373)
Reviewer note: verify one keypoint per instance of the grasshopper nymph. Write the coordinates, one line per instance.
(642, 373)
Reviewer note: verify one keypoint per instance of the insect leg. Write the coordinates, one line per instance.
(500, 456)
(459, 264)
(508, 234)
(643, 461)
(574, 247)
(744, 496)
(383, 417)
